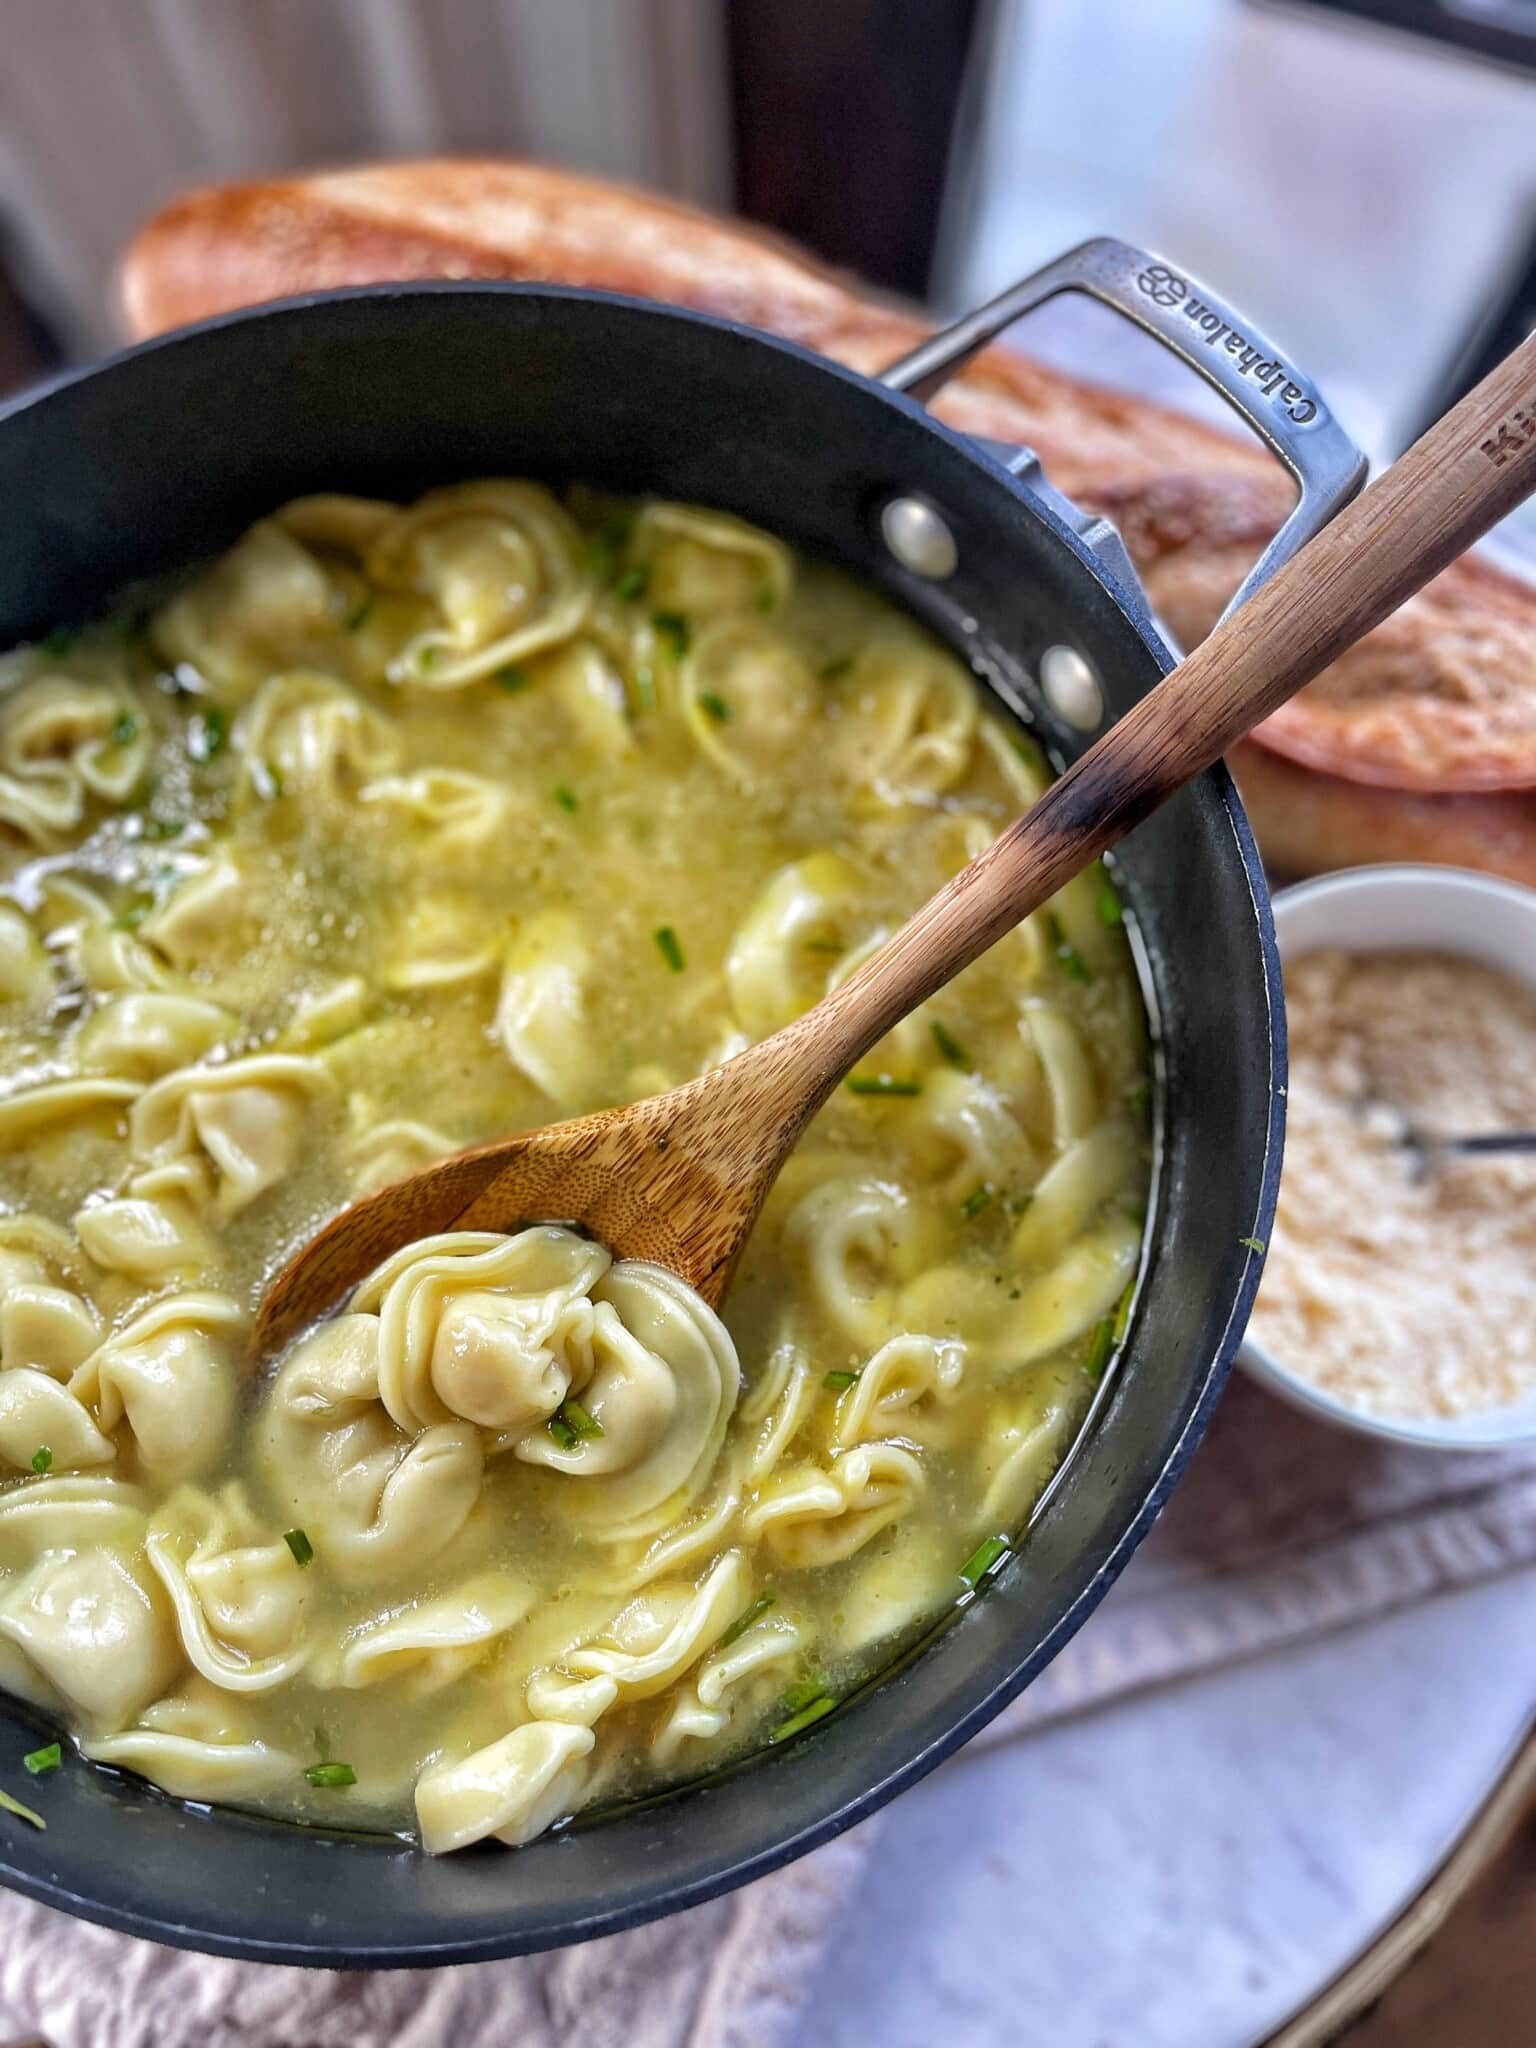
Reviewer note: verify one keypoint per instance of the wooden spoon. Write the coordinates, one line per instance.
(680, 1178)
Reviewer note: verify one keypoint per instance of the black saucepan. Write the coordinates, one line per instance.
(163, 454)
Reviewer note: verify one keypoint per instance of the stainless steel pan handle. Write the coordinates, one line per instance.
(1256, 380)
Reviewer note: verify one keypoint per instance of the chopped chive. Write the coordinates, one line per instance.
(303, 1550)
(426, 657)
(822, 945)
(1107, 903)
(163, 828)
(580, 1419)
(715, 705)
(745, 1619)
(125, 728)
(41, 1761)
(10, 1805)
(977, 1200)
(765, 599)
(881, 1084)
(358, 619)
(130, 919)
(565, 797)
(673, 628)
(839, 1382)
(833, 669)
(562, 1432)
(670, 948)
(331, 1777)
(814, 1712)
(1254, 1244)
(267, 781)
(58, 642)
(1072, 961)
(950, 1047)
(983, 1559)
(209, 734)
(1100, 1348)
(1017, 1205)
(633, 583)
(512, 678)
(42, 1459)
(802, 1694)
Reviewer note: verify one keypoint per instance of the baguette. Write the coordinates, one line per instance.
(1307, 824)
(1440, 698)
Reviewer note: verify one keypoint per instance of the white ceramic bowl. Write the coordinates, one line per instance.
(1406, 908)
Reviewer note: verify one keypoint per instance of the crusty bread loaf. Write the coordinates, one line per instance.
(1440, 698)
(1307, 823)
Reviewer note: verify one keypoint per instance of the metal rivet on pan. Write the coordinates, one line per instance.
(919, 539)
(1071, 688)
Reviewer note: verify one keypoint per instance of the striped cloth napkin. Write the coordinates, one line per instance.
(1281, 1530)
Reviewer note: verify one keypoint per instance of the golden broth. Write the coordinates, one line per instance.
(398, 827)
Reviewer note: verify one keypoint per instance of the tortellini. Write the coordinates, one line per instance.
(798, 920)
(399, 827)
(480, 1328)
(911, 717)
(228, 1133)
(500, 564)
(707, 565)
(513, 1789)
(427, 1645)
(194, 1744)
(373, 1498)
(255, 610)
(67, 745)
(209, 912)
(162, 1381)
(756, 1664)
(451, 813)
(237, 1592)
(144, 1035)
(25, 975)
(167, 1377)
(45, 1320)
(813, 1515)
(647, 1646)
(502, 1331)
(898, 1391)
(853, 1242)
(94, 1630)
(306, 733)
(543, 1016)
(37, 1412)
(748, 696)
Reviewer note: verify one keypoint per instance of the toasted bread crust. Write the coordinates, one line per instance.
(1308, 823)
(1441, 698)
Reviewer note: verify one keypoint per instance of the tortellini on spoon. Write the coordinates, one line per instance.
(508, 1332)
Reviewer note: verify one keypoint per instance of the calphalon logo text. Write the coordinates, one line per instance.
(1164, 287)
(1509, 436)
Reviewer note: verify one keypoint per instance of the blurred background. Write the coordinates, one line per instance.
(1360, 175)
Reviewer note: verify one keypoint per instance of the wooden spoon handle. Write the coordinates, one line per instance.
(1464, 475)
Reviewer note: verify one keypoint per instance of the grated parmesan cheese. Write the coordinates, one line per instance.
(1401, 1291)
